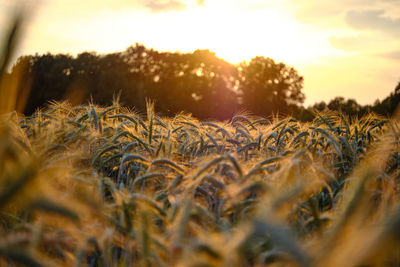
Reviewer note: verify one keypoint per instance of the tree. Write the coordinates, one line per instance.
(321, 106)
(336, 103)
(390, 104)
(267, 87)
(198, 82)
(50, 79)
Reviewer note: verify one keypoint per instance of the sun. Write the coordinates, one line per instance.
(236, 34)
(233, 33)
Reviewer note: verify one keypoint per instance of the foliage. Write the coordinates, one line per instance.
(389, 105)
(268, 87)
(198, 82)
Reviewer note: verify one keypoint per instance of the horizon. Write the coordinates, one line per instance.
(348, 49)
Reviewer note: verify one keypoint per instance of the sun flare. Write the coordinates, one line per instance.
(232, 33)
(237, 35)
(322, 40)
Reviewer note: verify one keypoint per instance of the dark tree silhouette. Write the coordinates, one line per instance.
(267, 87)
(50, 79)
(390, 104)
(336, 103)
(198, 82)
(321, 106)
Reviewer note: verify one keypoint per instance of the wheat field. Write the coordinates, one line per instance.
(106, 186)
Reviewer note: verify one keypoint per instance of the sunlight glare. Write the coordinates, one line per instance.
(233, 33)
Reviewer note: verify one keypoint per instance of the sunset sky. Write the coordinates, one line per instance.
(349, 48)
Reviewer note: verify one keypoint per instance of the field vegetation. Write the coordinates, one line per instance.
(105, 186)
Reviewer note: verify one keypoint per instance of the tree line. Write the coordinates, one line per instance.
(199, 83)
(350, 107)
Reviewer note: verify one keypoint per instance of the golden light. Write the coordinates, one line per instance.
(237, 35)
(235, 30)
(233, 33)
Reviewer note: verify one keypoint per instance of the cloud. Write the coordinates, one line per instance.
(395, 55)
(358, 42)
(382, 46)
(372, 20)
(320, 11)
(92, 6)
(314, 11)
(367, 27)
(157, 6)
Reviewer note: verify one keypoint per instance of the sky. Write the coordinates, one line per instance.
(348, 48)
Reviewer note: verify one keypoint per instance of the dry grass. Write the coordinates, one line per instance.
(106, 187)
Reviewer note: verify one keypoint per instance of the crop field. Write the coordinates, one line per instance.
(105, 186)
